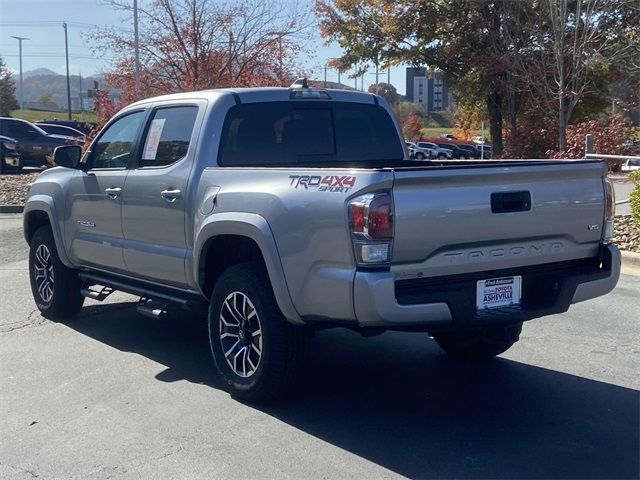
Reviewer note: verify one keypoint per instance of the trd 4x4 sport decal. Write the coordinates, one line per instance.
(329, 183)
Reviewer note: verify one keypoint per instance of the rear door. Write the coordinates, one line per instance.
(459, 219)
(154, 200)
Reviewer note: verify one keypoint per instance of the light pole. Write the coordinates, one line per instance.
(66, 54)
(20, 39)
(136, 46)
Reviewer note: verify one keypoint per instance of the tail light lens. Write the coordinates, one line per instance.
(609, 211)
(371, 222)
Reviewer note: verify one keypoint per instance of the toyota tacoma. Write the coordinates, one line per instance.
(283, 209)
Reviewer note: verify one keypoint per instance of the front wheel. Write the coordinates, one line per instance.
(254, 348)
(485, 343)
(419, 156)
(55, 287)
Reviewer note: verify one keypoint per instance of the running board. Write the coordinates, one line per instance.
(139, 289)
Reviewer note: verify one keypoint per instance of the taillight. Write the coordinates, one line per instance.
(609, 211)
(371, 222)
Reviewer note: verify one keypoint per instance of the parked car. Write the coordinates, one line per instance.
(630, 164)
(278, 210)
(456, 151)
(34, 144)
(484, 150)
(63, 130)
(448, 135)
(9, 155)
(478, 139)
(436, 150)
(472, 151)
(85, 127)
(420, 152)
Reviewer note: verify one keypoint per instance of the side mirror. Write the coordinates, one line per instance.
(67, 156)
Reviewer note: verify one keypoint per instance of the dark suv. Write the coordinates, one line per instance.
(34, 144)
(456, 151)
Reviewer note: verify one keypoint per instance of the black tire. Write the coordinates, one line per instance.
(63, 299)
(441, 156)
(261, 377)
(479, 344)
(3, 165)
(419, 156)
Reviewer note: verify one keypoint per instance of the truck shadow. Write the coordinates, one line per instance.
(396, 401)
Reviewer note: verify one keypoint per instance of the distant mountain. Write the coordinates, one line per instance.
(36, 72)
(42, 81)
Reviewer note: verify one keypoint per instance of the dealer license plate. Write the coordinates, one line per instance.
(498, 292)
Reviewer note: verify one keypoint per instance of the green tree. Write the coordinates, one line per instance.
(386, 91)
(463, 38)
(8, 100)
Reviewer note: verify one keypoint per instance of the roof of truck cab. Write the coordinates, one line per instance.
(260, 94)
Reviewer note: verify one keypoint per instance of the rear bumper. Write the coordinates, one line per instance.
(446, 303)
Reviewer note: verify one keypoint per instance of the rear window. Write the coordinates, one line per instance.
(308, 133)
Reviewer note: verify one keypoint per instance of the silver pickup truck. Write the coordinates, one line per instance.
(280, 208)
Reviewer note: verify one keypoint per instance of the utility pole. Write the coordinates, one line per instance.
(20, 39)
(339, 84)
(66, 54)
(325, 75)
(81, 104)
(136, 46)
(389, 75)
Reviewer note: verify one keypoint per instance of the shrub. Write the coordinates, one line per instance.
(634, 198)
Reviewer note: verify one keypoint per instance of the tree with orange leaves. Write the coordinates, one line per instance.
(190, 45)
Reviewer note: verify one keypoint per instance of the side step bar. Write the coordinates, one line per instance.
(151, 308)
(139, 289)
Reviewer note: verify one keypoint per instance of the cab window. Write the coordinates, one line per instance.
(116, 145)
(168, 136)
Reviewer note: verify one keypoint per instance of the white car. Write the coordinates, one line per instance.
(630, 164)
(419, 152)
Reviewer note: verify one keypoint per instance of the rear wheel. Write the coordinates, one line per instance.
(254, 348)
(477, 344)
(419, 156)
(442, 156)
(55, 287)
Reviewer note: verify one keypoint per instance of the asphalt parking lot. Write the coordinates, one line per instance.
(113, 394)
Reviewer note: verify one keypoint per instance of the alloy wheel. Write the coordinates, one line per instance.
(240, 334)
(43, 273)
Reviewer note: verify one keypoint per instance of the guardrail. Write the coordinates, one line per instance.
(588, 148)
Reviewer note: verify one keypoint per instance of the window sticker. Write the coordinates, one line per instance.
(153, 139)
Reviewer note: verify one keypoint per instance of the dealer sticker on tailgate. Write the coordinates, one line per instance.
(498, 292)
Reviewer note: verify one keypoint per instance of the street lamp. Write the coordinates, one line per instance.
(20, 39)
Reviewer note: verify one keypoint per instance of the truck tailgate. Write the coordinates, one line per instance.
(459, 219)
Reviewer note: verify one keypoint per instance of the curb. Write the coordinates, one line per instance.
(11, 208)
(630, 259)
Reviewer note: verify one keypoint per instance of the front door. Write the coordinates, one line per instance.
(94, 200)
(153, 203)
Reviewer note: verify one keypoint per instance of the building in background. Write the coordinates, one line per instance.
(426, 87)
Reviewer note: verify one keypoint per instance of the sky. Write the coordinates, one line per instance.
(41, 22)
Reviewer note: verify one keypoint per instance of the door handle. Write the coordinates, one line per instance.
(171, 194)
(113, 192)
